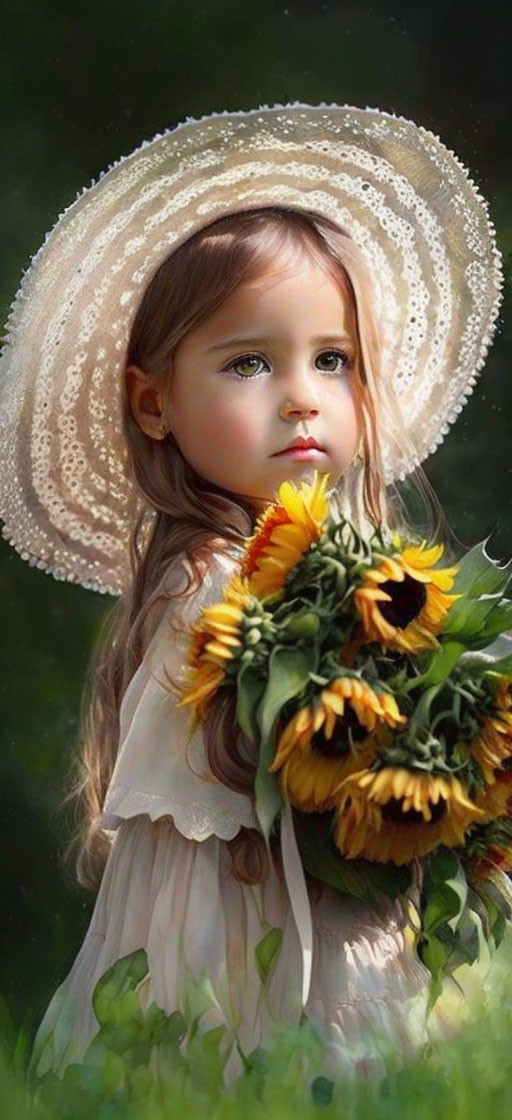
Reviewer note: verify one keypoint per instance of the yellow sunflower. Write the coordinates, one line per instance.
(495, 799)
(311, 779)
(284, 533)
(492, 747)
(308, 750)
(396, 814)
(402, 602)
(215, 640)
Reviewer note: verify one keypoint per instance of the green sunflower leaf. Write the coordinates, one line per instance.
(267, 951)
(114, 998)
(445, 889)
(268, 800)
(440, 667)
(468, 938)
(478, 574)
(498, 619)
(288, 673)
(287, 677)
(250, 688)
(467, 618)
(435, 953)
(497, 905)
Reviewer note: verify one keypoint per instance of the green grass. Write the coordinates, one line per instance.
(465, 1079)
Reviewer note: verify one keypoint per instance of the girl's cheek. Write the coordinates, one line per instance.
(243, 429)
(240, 419)
(340, 391)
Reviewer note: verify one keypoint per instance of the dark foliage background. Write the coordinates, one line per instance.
(83, 83)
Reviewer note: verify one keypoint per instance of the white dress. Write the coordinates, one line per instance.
(168, 887)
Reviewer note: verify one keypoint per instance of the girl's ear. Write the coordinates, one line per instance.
(146, 394)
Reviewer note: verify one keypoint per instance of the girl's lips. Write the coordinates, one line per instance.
(302, 453)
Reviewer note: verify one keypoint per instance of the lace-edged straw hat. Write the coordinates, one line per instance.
(423, 229)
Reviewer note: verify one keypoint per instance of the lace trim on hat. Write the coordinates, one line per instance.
(422, 226)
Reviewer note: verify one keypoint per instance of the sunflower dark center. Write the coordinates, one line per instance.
(339, 740)
(392, 811)
(407, 600)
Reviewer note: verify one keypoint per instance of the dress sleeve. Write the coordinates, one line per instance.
(160, 769)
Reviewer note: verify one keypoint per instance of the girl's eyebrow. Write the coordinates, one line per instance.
(318, 340)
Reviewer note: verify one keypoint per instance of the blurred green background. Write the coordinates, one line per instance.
(82, 84)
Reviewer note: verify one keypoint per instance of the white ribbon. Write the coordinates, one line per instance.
(299, 898)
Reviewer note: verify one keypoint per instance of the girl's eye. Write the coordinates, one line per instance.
(246, 367)
(246, 364)
(338, 359)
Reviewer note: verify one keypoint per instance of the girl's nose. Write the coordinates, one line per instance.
(297, 410)
(301, 401)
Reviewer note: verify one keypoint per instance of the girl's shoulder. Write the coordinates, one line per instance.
(189, 584)
(192, 577)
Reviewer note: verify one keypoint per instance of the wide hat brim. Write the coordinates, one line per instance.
(66, 499)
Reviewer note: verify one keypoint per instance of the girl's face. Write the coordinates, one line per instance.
(275, 363)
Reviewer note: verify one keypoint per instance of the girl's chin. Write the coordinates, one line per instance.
(304, 470)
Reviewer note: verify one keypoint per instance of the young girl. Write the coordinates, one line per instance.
(243, 299)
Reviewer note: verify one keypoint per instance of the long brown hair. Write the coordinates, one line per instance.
(192, 516)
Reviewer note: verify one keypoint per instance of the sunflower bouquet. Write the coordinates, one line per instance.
(377, 687)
